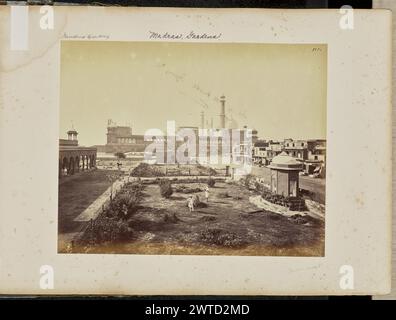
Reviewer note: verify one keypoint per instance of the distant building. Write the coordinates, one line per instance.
(274, 148)
(74, 158)
(260, 151)
(310, 153)
(121, 139)
(297, 149)
(317, 150)
(316, 162)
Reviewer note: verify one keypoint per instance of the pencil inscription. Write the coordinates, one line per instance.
(192, 35)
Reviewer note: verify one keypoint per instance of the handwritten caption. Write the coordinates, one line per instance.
(192, 35)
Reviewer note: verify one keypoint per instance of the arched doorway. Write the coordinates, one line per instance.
(65, 166)
(77, 164)
(83, 162)
(71, 166)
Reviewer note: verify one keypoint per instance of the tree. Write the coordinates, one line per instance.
(120, 155)
(211, 182)
(166, 188)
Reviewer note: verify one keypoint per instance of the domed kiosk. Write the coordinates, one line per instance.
(285, 175)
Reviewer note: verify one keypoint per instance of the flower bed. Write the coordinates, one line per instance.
(219, 237)
(187, 190)
(293, 203)
(146, 170)
(111, 225)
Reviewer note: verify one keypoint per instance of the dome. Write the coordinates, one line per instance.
(285, 162)
(283, 158)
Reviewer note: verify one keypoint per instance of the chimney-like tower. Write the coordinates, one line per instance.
(222, 112)
(202, 120)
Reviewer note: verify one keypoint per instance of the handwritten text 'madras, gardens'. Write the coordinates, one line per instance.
(183, 36)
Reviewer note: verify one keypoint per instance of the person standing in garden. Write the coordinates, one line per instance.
(191, 204)
(207, 193)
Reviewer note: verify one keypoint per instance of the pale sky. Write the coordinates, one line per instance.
(278, 89)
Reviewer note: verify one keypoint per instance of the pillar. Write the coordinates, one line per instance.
(71, 165)
(60, 169)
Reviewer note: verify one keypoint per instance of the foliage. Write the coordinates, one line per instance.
(120, 155)
(219, 237)
(259, 186)
(166, 189)
(187, 190)
(206, 171)
(274, 198)
(248, 180)
(146, 170)
(211, 182)
(197, 202)
(168, 218)
(293, 203)
(127, 201)
(107, 230)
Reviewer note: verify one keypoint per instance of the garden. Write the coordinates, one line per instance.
(153, 217)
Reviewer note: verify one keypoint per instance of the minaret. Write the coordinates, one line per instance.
(202, 120)
(222, 112)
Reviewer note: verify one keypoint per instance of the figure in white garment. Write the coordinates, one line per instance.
(191, 204)
(207, 193)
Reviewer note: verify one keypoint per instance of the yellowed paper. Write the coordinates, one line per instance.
(72, 73)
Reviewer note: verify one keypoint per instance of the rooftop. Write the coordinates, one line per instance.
(285, 162)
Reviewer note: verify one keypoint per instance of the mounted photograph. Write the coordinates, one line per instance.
(192, 148)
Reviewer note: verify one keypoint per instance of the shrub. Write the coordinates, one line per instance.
(106, 230)
(219, 237)
(127, 201)
(206, 171)
(208, 219)
(197, 202)
(223, 195)
(259, 186)
(247, 181)
(120, 155)
(146, 170)
(293, 203)
(166, 188)
(211, 182)
(171, 218)
(187, 190)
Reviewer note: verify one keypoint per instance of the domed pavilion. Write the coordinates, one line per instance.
(285, 175)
